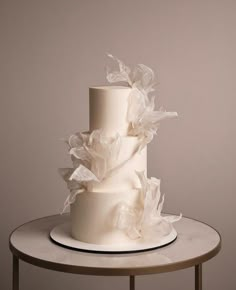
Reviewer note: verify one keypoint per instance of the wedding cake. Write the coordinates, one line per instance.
(111, 199)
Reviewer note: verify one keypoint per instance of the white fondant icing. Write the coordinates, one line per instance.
(92, 216)
(108, 107)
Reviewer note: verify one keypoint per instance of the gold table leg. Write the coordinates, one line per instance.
(15, 277)
(198, 277)
(132, 283)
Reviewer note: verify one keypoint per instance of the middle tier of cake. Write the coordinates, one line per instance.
(123, 166)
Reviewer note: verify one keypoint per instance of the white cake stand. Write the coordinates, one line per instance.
(61, 234)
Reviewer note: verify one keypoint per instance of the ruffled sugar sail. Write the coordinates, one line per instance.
(76, 179)
(122, 75)
(142, 77)
(144, 120)
(96, 151)
(145, 220)
(141, 114)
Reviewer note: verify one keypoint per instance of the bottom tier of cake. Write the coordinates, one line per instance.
(93, 217)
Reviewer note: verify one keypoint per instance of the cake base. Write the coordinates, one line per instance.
(61, 234)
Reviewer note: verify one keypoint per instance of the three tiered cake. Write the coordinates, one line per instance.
(112, 202)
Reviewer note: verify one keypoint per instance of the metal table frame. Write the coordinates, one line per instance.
(15, 278)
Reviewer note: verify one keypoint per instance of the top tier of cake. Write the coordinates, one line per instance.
(108, 107)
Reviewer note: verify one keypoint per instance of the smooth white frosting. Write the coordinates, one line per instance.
(93, 217)
(108, 106)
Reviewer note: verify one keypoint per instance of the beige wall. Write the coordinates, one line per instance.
(51, 51)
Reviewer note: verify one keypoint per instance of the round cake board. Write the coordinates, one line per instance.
(61, 234)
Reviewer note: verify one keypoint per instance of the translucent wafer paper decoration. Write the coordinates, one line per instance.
(141, 114)
(145, 220)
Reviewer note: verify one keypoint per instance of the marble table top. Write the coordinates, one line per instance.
(197, 242)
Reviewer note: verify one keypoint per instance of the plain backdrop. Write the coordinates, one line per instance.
(53, 50)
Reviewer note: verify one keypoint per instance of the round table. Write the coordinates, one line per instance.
(196, 243)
